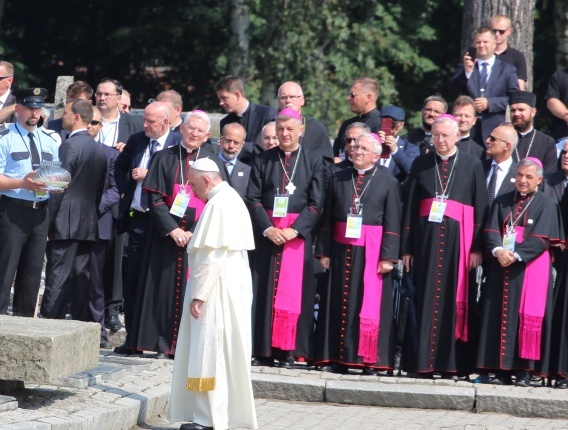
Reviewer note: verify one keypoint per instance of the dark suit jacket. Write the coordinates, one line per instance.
(507, 185)
(501, 83)
(110, 196)
(239, 178)
(74, 212)
(402, 160)
(553, 185)
(316, 138)
(11, 100)
(254, 118)
(129, 159)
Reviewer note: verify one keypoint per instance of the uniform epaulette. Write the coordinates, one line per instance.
(4, 132)
(49, 133)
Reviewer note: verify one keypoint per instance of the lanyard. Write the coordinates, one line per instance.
(26, 145)
(358, 198)
(444, 193)
(513, 223)
(184, 185)
(291, 177)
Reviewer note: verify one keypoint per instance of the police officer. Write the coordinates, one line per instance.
(24, 219)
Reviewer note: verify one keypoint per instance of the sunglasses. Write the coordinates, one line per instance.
(94, 123)
(348, 140)
(492, 139)
(501, 32)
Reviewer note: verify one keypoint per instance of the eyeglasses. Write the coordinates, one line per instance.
(94, 123)
(492, 139)
(352, 95)
(192, 129)
(360, 148)
(442, 136)
(291, 98)
(430, 110)
(5, 77)
(500, 31)
(348, 140)
(105, 95)
(227, 142)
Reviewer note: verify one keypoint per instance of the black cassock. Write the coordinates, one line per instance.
(161, 289)
(539, 145)
(436, 250)
(266, 179)
(337, 328)
(499, 334)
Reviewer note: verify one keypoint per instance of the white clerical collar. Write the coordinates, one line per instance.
(524, 134)
(447, 157)
(240, 115)
(465, 137)
(216, 189)
(363, 171)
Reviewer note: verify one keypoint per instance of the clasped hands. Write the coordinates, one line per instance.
(504, 257)
(279, 236)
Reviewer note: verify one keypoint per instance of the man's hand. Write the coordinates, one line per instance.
(324, 261)
(195, 308)
(119, 146)
(277, 236)
(474, 260)
(481, 104)
(139, 173)
(468, 63)
(389, 142)
(29, 183)
(180, 237)
(407, 262)
(385, 266)
(289, 233)
(505, 258)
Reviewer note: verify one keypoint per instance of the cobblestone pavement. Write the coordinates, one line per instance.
(282, 415)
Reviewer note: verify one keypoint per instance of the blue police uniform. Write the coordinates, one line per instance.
(24, 218)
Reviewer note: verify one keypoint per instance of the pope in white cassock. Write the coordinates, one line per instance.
(211, 384)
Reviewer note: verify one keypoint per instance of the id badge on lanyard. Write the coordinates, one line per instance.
(180, 204)
(280, 209)
(354, 226)
(438, 208)
(509, 239)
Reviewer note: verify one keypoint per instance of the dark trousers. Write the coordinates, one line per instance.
(96, 290)
(113, 274)
(67, 279)
(23, 237)
(137, 228)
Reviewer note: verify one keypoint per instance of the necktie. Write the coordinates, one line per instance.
(492, 185)
(230, 167)
(153, 148)
(483, 77)
(34, 152)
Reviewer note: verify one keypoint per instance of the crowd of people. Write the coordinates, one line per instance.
(440, 253)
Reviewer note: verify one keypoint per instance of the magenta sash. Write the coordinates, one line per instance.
(370, 314)
(288, 300)
(533, 302)
(464, 215)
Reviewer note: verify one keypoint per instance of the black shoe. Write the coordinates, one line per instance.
(105, 344)
(194, 426)
(287, 363)
(124, 349)
(263, 361)
(340, 369)
(113, 323)
(501, 380)
(561, 383)
(369, 371)
(522, 378)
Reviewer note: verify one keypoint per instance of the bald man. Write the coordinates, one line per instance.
(130, 170)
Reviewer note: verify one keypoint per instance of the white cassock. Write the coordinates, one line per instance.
(211, 383)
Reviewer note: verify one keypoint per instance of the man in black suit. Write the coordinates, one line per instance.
(500, 168)
(432, 108)
(108, 200)
(362, 98)
(7, 99)
(463, 110)
(315, 136)
(78, 90)
(117, 127)
(130, 170)
(231, 142)
(73, 224)
(400, 153)
(231, 93)
(554, 184)
(487, 80)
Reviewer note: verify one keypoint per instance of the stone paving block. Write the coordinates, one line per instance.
(8, 403)
(57, 423)
(400, 396)
(523, 402)
(28, 425)
(283, 388)
(45, 350)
